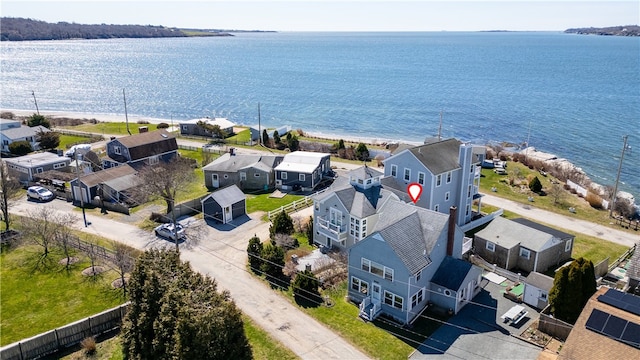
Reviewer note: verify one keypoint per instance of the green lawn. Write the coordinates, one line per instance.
(200, 156)
(240, 137)
(34, 301)
(116, 128)
(264, 203)
(66, 141)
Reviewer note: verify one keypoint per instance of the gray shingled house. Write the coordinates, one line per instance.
(248, 172)
(522, 244)
(411, 258)
(142, 149)
(224, 205)
(113, 184)
(348, 211)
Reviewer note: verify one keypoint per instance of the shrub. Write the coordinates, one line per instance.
(88, 345)
(282, 224)
(594, 200)
(305, 288)
(163, 126)
(535, 185)
(142, 122)
(20, 148)
(254, 251)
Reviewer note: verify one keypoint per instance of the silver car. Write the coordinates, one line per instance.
(167, 231)
(39, 193)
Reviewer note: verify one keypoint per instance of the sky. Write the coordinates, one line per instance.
(335, 15)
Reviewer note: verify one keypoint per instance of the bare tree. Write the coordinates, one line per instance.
(123, 263)
(41, 226)
(166, 180)
(557, 193)
(9, 191)
(63, 234)
(93, 252)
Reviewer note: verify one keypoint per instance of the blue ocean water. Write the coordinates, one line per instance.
(572, 95)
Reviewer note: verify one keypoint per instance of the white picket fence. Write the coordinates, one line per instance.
(295, 205)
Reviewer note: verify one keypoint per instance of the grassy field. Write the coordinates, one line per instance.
(31, 296)
(240, 137)
(66, 141)
(115, 128)
(263, 202)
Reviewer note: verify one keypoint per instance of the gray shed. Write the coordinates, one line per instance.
(224, 205)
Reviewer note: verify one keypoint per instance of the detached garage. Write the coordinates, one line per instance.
(224, 205)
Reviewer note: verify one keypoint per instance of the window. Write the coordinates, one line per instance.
(543, 296)
(417, 298)
(335, 217)
(185, 128)
(359, 285)
(438, 180)
(377, 269)
(421, 178)
(256, 175)
(226, 176)
(449, 177)
(469, 191)
(418, 275)
(300, 177)
(5, 142)
(446, 196)
(394, 170)
(58, 165)
(116, 149)
(243, 176)
(525, 253)
(466, 213)
(491, 246)
(39, 170)
(153, 160)
(283, 175)
(392, 299)
(407, 174)
(567, 246)
(436, 208)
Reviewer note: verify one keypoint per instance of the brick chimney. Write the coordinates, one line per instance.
(451, 231)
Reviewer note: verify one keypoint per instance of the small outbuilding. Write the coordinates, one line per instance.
(224, 205)
(536, 290)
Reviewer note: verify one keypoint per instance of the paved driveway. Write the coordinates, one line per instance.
(477, 332)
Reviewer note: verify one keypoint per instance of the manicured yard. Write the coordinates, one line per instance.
(66, 141)
(115, 128)
(241, 137)
(263, 202)
(34, 301)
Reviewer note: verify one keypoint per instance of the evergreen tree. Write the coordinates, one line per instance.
(265, 137)
(37, 119)
(176, 313)
(254, 251)
(276, 137)
(305, 288)
(535, 185)
(573, 285)
(273, 261)
(340, 144)
(309, 231)
(282, 224)
(362, 153)
(48, 140)
(292, 142)
(20, 148)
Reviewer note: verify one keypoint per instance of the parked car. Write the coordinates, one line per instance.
(169, 232)
(500, 171)
(39, 193)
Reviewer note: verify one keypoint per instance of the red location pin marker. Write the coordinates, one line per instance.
(414, 190)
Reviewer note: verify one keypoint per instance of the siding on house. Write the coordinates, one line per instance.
(141, 149)
(248, 172)
(25, 167)
(302, 168)
(224, 205)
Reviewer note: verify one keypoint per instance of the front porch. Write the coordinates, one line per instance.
(369, 309)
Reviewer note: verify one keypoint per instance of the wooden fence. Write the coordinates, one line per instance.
(63, 337)
(295, 205)
(552, 326)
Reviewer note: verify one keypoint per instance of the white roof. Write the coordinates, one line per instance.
(224, 123)
(37, 159)
(301, 161)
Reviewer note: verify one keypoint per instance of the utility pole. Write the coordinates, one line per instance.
(615, 189)
(84, 216)
(126, 117)
(259, 129)
(35, 101)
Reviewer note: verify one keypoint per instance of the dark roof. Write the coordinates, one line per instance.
(439, 157)
(411, 232)
(365, 172)
(549, 230)
(149, 143)
(233, 163)
(226, 196)
(98, 177)
(451, 273)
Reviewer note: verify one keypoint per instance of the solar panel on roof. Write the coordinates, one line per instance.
(596, 320)
(631, 335)
(623, 301)
(614, 327)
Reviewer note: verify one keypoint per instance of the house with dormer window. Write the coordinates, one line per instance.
(410, 258)
(345, 213)
(448, 170)
(142, 149)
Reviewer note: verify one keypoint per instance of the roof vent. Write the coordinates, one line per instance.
(163, 135)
